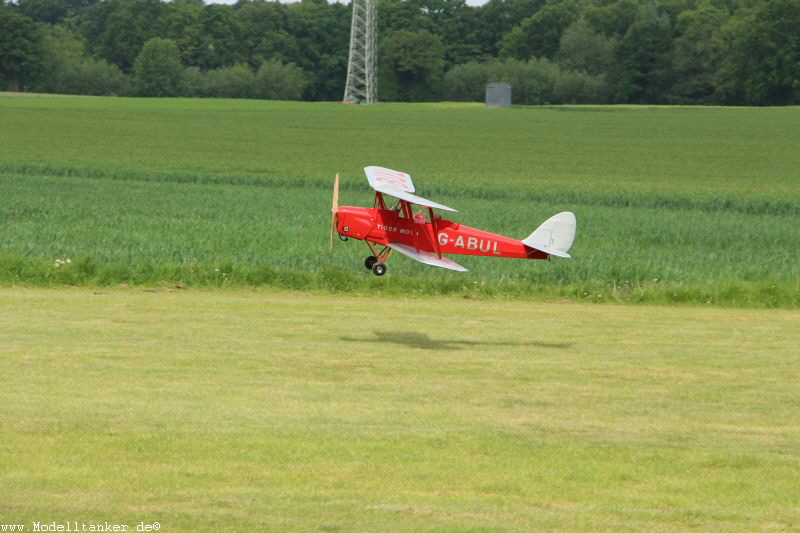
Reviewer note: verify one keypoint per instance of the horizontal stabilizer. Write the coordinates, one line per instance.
(427, 257)
(554, 236)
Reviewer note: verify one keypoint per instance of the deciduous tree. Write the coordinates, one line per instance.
(644, 59)
(763, 66)
(582, 48)
(20, 48)
(411, 66)
(157, 69)
(279, 81)
(698, 51)
(539, 35)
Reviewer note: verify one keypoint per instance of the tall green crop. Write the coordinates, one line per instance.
(673, 204)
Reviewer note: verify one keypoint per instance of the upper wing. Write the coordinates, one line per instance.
(380, 177)
(426, 257)
(399, 185)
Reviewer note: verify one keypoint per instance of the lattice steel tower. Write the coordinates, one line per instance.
(362, 64)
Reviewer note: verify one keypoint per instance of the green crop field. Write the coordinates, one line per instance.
(673, 204)
(241, 410)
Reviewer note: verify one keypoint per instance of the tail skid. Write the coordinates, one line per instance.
(554, 236)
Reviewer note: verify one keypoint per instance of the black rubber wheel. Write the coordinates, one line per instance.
(379, 269)
(369, 261)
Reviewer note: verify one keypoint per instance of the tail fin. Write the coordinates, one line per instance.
(555, 236)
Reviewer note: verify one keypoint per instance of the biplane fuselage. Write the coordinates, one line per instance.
(389, 226)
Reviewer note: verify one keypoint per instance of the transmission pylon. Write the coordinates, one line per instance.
(362, 63)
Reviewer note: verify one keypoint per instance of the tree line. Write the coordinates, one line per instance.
(737, 52)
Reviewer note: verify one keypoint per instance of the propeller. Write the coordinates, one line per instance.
(334, 207)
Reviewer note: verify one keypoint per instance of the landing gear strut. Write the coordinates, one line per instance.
(377, 261)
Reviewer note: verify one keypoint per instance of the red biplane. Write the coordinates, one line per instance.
(426, 237)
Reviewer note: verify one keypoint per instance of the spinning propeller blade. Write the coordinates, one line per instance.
(334, 207)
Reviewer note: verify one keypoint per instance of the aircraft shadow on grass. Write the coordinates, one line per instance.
(412, 339)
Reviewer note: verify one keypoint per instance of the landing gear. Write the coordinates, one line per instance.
(379, 269)
(377, 261)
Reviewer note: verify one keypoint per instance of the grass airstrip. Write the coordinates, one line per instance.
(178, 345)
(241, 410)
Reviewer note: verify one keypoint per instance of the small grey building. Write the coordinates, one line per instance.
(498, 94)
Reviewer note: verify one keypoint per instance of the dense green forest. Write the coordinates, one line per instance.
(739, 52)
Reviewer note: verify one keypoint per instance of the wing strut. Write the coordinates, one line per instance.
(436, 244)
(379, 202)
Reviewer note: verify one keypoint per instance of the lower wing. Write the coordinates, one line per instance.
(426, 257)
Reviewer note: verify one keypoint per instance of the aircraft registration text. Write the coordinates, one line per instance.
(470, 243)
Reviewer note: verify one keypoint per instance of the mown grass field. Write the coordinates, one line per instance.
(674, 204)
(241, 410)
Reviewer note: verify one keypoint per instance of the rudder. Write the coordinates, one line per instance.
(554, 236)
